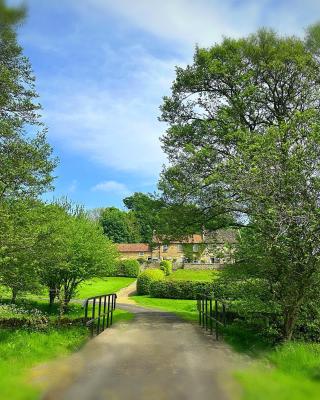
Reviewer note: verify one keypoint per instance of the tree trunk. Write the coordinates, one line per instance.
(290, 317)
(14, 295)
(52, 296)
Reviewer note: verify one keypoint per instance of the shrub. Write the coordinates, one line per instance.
(12, 316)
(141, 260)
(146, 278)
(129, 268)
(166, 267)
(180, 289)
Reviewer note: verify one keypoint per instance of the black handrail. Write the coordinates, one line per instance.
(106, 304)
(212, 314)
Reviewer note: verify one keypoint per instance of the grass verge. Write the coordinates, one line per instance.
(186, 309)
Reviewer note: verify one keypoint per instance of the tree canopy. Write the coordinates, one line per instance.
(243, 140)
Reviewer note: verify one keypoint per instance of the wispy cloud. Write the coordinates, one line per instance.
(73, 186)
(111, 187)
(114, 126)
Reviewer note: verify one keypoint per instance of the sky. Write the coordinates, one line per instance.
(103, 66)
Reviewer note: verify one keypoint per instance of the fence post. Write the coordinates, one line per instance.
(211, 322)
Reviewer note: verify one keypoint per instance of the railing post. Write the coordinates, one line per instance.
(206, 314)
(108, 311)
(99, 313)
(104, 312)
(216, 317)
(211, 316)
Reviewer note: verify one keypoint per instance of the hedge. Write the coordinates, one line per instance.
(166, 266)
(146, 278)
(180, 289)
(129, 268)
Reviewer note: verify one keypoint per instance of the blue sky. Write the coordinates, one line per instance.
(103, 66)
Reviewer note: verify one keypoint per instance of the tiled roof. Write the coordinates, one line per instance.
(133, 247)
(191, 239)
(221, 236)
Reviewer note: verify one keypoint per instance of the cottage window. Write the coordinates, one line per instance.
(195, 247)
(165, 247)
(141, 253)
(179, 248)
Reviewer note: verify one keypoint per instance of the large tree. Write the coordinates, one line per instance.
(25, 156)
(243, 138)
(120, 226)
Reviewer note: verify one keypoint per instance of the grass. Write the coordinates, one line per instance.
(289, 372)
(186, 309)
(22, 349)
(97, 286)
(193, 275)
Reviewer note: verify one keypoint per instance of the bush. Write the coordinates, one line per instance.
(180, 289)
(129, 268)
(166, 267)
(146, 278)
(12, 316)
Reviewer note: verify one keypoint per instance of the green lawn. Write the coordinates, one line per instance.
(193, 275)
(96, 286)
(186, 309)
(89, 288)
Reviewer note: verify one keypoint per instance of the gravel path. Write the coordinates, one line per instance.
(156, 356)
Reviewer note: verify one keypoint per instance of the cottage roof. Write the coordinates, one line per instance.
(133, 247)
(221, 236)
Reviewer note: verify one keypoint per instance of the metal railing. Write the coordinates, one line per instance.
(212, 314)
(98, 313)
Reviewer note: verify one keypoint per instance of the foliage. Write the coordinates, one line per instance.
(13, 316)
(166, 267)
(167, 220)
(193, 275)
(180, 289)
(78, 251)
(119, 226)
(129, 268)
(146, 278)
(243, 140)
(19, 233)
(25, 156)
(190, 254)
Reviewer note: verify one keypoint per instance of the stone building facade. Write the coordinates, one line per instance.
(206, 248)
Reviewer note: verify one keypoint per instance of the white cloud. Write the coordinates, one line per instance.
(114, 126)
(106, 107)
(206, 21)
(111, 186)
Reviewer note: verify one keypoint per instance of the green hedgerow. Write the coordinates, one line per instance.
(166, 267)
(129, 268)
(146, 278)
(180, 289)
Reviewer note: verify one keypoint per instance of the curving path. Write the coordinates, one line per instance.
(156, 356)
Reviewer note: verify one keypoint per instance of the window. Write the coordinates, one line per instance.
(179, 248)
(141, 253)
(165, 247)
(216, 260)
(195, 247)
